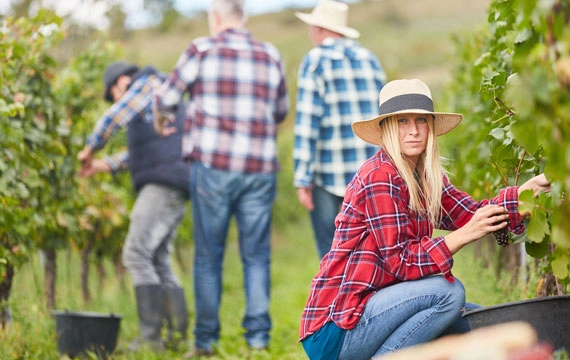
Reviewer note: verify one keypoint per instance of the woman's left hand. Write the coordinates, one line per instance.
(537, 184)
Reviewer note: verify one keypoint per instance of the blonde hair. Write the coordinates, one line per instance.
(425, 181)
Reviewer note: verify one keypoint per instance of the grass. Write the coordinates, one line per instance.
(294, 263)
(33, 333)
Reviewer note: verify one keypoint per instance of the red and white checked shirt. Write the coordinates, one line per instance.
(237, 96)
(379, 242)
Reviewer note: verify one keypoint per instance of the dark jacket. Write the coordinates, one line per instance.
(154, 158)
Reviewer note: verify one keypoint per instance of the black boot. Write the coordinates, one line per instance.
(176, 314)
(150, 299)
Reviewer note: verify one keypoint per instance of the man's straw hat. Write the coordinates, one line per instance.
(331, 15)
(404, 97)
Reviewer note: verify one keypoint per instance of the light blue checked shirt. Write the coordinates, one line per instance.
(339, 82)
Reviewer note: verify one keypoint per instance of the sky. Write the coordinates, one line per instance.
(92, 11)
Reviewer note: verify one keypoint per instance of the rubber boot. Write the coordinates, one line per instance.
(150, 300)
(176, 314)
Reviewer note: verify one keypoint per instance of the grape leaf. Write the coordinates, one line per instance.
(538, 226)
(560, 262)
(537, 250)
(526, 201)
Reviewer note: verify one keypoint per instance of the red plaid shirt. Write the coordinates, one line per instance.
(379, 242)
(237, 96)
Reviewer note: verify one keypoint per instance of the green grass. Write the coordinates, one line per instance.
(294, 263)
(33, 333)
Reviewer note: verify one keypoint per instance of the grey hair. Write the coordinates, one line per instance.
(229, 8)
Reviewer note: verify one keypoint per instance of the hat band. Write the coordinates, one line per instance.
(406, 102)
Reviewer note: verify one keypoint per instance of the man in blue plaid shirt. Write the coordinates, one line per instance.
(339, 81)
(237, 97)
(160, 178)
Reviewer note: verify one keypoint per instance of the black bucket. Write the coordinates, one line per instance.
(549, 316)
(81, 333)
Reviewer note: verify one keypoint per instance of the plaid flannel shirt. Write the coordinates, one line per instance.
(237, 96)
(338, 83)
(380, 242)
(136, 102)
(119, 161)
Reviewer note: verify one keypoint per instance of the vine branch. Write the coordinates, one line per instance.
(518, 172)
(502, 106)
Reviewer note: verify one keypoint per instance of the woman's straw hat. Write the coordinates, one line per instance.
(404, 97)
(331, 15)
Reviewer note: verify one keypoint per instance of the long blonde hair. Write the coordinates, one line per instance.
(425, 181)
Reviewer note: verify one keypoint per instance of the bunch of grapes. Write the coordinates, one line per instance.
(503, 236)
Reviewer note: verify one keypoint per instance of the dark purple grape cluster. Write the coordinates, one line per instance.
(503, 236)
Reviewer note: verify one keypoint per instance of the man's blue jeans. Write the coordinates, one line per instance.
(217, 196)
(404, 314)
(326, 209)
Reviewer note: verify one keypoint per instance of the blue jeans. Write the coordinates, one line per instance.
(155, 217)
(216, 197)
(326, 209)
(404, 314)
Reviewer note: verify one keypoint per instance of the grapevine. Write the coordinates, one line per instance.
(512, 83)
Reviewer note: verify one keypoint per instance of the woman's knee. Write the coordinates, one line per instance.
(457, 294)
(450, 294)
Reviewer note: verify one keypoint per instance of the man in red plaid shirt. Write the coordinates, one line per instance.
(237, 97)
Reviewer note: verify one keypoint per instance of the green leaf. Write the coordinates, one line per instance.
(537, 250)
(560, 233)
(526, 201)
(497, 133)
(538, 226)
(523, 35)
(560, 262)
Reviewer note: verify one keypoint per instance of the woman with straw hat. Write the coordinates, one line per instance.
(386, 283)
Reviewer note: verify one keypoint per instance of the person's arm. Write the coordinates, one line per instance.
(111, 164)
(309, 110)
(485, 220)
(471, 220)
(95, 166)
(305, 197)
(118, 162)
(120, 114)
(282, 97)
(537, 184)
(172, 90)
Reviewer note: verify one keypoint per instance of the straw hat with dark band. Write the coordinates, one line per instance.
(404, 97)
(330, 15)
